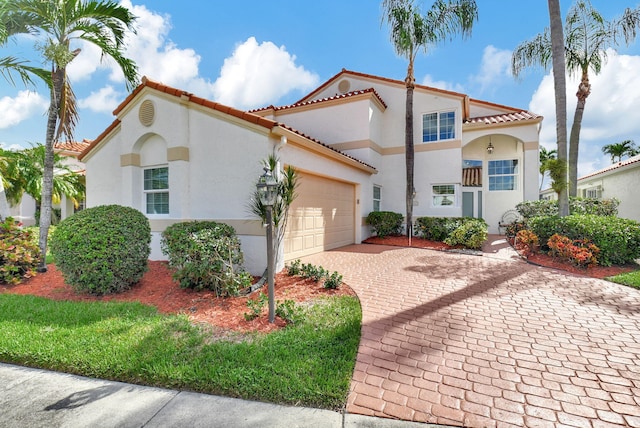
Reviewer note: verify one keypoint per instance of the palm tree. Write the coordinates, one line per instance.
(545, 157)
(558, 173)
(411, 32)
(619, 150)
(587, 37)
(25, 170)
(56, 24)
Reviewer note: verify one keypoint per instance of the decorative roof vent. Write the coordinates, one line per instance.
(147, 113)
(344, 86)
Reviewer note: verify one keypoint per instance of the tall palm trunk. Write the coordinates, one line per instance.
(560, 86)
(57, 76)
(584, 89)
(409, 149)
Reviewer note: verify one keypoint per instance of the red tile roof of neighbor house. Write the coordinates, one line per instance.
(244, 115)
(72, 146)
(617, 165)
(325, 99)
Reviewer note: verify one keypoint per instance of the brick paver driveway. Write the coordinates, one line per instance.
(482, 342)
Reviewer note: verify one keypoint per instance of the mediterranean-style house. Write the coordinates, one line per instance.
(619, 180)
(178, 157)
(25, 211)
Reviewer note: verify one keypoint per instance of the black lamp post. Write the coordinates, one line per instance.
(267, 190)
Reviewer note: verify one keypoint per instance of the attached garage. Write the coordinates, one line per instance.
(322, 217)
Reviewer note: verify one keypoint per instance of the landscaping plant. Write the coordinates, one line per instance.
(102, 250)
(206, 256)
(385, 223)
(19, 254)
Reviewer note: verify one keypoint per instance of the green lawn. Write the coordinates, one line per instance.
(632, 279)
(309, 364)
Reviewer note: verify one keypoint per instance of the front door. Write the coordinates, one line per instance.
(472, 203)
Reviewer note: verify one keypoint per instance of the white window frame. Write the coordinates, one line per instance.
(378, 199)
(147, 192)
(502, 173)
(437, 197)
(439, 116)
(594, 192)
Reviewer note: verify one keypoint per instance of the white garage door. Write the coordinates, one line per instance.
(321, 217)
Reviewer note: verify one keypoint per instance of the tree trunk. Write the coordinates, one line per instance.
(47, 175)
(584, 89)
(409, 150)
(560, 89)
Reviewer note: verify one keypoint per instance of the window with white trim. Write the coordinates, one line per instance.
(503, 174)
(377, 192)
(438, 126)
(156, 190)
(593, 192)
(443, 195)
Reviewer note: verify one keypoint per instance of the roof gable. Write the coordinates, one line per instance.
(632, 162)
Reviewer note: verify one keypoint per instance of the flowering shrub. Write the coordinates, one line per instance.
(18, 254)
(580, 252)
(526, 242)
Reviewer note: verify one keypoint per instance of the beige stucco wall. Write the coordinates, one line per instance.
(622, 185)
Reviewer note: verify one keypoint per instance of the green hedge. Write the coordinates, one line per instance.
(385, 223)
(465, 231)
(592, 206)
(618, 239)
(102, 250)
(206, 256)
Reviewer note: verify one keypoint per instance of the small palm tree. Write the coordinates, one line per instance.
(587, 37)
(56, 24)
(25, 169)
(620, 150)
(411, 32)
(545, 157)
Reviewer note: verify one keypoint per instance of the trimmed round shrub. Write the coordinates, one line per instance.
(102, 250)
(385, 223)
(470, 234)
(206, 256)
(18, 253)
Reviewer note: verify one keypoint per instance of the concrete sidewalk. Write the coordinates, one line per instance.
(38, 398)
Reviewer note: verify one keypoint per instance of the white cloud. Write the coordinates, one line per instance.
(105, 100)
(610, 114)
(495, 67)
(441, 84)
(11, 147)
(20, 108)
(258, 74)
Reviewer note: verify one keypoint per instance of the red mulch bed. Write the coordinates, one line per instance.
(538, 259)
(157, 288)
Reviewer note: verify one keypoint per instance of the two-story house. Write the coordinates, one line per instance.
(178, 157)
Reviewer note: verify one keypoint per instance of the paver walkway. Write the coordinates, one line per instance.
(484, 341)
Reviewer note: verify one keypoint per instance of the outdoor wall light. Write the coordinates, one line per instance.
(490, 147)
(268, 192)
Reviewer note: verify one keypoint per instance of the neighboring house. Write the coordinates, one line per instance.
(25, 212)
(178, 157)
(619, 180)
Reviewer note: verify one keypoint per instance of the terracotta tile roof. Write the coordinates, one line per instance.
(622, 164)
(520, 116)
(378, 78)
(325, 99)
(72, 146)
(247, 116)
(98, 139)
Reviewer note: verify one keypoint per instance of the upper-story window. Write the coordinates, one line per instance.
(156, 190)
(438, 126)
(503, 174)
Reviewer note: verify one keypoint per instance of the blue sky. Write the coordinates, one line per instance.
(254, 53)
